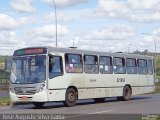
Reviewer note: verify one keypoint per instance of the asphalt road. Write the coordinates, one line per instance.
(141, 104)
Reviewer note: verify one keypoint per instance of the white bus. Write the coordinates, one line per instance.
(45, 74)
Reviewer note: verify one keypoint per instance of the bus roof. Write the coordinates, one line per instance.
(79, 51)
(88, 52)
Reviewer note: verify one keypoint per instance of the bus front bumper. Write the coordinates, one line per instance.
(38, 97)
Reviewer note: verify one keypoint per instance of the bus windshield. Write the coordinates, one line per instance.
(30, 69)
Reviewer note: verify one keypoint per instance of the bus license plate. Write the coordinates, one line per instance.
(24, 98)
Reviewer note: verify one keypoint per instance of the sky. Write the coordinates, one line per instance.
(100, 25)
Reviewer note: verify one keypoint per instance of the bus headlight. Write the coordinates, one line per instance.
(41, 88)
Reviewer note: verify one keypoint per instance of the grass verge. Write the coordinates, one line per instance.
(158, 77)
(4, 101)
(157, 89)
(157, 86)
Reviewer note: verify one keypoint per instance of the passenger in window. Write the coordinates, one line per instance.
(69, 69)
(55, 67)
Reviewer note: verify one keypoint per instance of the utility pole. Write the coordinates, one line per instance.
(55, 21)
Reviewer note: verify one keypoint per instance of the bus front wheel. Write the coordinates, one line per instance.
(70, 98)
(127, 92)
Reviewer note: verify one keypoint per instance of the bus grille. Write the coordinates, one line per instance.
(25, 90)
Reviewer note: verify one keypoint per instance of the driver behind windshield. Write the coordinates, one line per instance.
(39, 73)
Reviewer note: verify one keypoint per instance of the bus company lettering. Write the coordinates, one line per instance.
(120, 79)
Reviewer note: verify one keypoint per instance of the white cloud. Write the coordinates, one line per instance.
(65, 3)
(132, 10)
(115, 32)
(23, 6)
(113, 38)
(48, 31)
(144, 4)
(7, 22)
(108, 38)
(112, 5)
(9, 42)
(156, 34)
(148, 39)
(38, 41)
(152, 17)
(60, 17)
(103, 45)
(152, 37)
(26, 20)
(8, 37)
(113, 8)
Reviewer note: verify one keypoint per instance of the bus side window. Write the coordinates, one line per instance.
(55, 66)
(150, 67)
(105, 65)
(91, 64)
(142, 66)
(73, 63)
(131, 66)
(119, 65)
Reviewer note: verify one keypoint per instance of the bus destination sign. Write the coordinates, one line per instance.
(30, 51)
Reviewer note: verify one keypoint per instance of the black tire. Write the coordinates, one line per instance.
(99, 100)
(70, 97)
(127, 93)
(38, 104)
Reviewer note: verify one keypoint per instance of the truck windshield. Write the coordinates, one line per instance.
(28, 69)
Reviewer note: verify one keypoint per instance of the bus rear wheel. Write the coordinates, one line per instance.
(127, 92)
(38, 104)
(70, 98)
